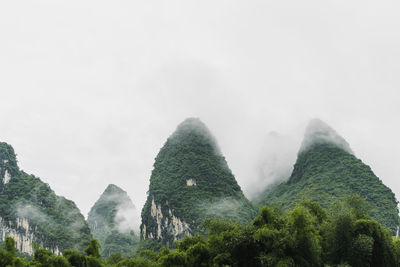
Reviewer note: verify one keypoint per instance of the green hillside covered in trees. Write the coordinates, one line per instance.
(191, 181)
(326, 170)
(54, 222)
(109, 222)
(307, 235)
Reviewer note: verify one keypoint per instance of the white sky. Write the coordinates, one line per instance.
(90, 90)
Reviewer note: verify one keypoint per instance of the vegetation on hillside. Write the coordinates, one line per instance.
(109, 222)
(191, 153)
(326, 173)
(56, 221)
(308, 235)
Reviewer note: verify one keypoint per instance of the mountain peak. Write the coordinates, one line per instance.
(318, 132)
(192, 127)
(112, 188)
(190, 182)
(116, 194)
(326, 171)
(113, 218)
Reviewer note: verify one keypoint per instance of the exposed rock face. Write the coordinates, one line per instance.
(23, 234)
(177, 228)
(6, 168)
(31, 212)
(190, 182)
(6, 177)
(190, 176)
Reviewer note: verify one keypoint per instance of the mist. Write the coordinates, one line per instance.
(127, 219)
(90, 91)
(273, 163)
(126, 216)
(318, 132)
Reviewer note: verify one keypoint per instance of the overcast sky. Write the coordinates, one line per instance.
(91, 90)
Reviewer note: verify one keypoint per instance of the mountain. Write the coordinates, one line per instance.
(31, 212)
(191, 181)
(327, 170)
(111, 221)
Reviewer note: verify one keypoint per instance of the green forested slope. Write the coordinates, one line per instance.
(189, 156)
(307, 236)
(327, 171)
(55, 221)
(109, 222)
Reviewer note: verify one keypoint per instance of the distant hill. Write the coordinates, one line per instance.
(190, 182)
(31, 212)
(326, 170)
(110, 220)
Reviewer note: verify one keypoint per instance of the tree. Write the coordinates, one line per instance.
(75, 258)
(307, 248)
(93, 249)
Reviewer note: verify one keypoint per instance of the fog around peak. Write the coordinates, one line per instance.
(126, 216)
(195, 126)
(318, 132)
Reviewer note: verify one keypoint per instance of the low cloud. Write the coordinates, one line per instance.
(319, 132)
(274, 163)
(127, 218)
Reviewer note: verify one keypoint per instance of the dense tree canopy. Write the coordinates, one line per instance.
(109, 222)
(308, 235)
(191, 155)
(56, 221)
(326, 173)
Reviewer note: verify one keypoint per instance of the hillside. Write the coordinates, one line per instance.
(326, 171)
(31, 212)
(191, 181)
(110, 220)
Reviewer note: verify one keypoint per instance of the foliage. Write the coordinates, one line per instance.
(104, 222)
(56, 221)
(326, 173)
(191, 153)
(295, 238)
(308, 235)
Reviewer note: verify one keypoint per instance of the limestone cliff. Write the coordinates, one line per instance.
(23, 235)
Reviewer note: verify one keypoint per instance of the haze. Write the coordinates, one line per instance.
(91, 90)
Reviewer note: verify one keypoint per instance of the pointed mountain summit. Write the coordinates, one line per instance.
(190, 182)
(31, 212)
(318, 132)
(111, 221)
(326, 170)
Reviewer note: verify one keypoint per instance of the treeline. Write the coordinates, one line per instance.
(308, 235)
